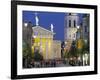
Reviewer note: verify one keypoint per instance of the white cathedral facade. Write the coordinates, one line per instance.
(43, 40)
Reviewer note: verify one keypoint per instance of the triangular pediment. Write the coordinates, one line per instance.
(42, 30)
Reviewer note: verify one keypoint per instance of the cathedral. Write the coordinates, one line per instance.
(43, 41)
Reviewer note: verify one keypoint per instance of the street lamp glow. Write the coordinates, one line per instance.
(65, 42)
(86, 58)
(25, 24)
(85, 41)
(78, 27)
(34, 36)
(74, 39)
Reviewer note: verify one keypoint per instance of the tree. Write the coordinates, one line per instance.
(85, 48)
(37, 56)
(26, 54)
(66, 54)
(73, 50)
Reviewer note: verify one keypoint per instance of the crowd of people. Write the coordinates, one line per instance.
(46, 63)
(56, 63)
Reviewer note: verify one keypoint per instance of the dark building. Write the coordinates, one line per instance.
(85, 26)
(27, 33)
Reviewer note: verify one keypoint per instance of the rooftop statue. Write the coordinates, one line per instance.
(52, 27)
(36, 19)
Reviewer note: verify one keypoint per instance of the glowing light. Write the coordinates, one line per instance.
(34, 36)
(25, 24)
(78, 27)
(65, 42)
(85, 41)
(49, 44)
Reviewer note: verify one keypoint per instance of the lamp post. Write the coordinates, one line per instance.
(78, 32)
(86, 58)
(78, 44)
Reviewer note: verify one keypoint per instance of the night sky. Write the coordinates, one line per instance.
(48, 18)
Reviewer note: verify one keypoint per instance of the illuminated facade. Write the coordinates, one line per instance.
(43, 41)
(71, 23)
(70, 30)
(57, 49)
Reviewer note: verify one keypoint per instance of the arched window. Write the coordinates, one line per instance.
(85, 28)
(69, 23)
(74, 23)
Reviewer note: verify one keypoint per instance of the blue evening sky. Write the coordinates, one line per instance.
(48, 18)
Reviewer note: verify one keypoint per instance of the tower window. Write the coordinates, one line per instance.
(74, 23)
(85, 28)
(69, 23)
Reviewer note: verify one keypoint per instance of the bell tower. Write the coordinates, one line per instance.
(71, 23)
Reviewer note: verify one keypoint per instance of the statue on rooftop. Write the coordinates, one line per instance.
(52, 27)
(36, 19)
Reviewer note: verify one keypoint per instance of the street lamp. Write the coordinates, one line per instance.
(85, 41)
(86, 58)
(78, 27)
(83, 60)
(78, 32)
(65, 42)
(25, 24)
(34, 36)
